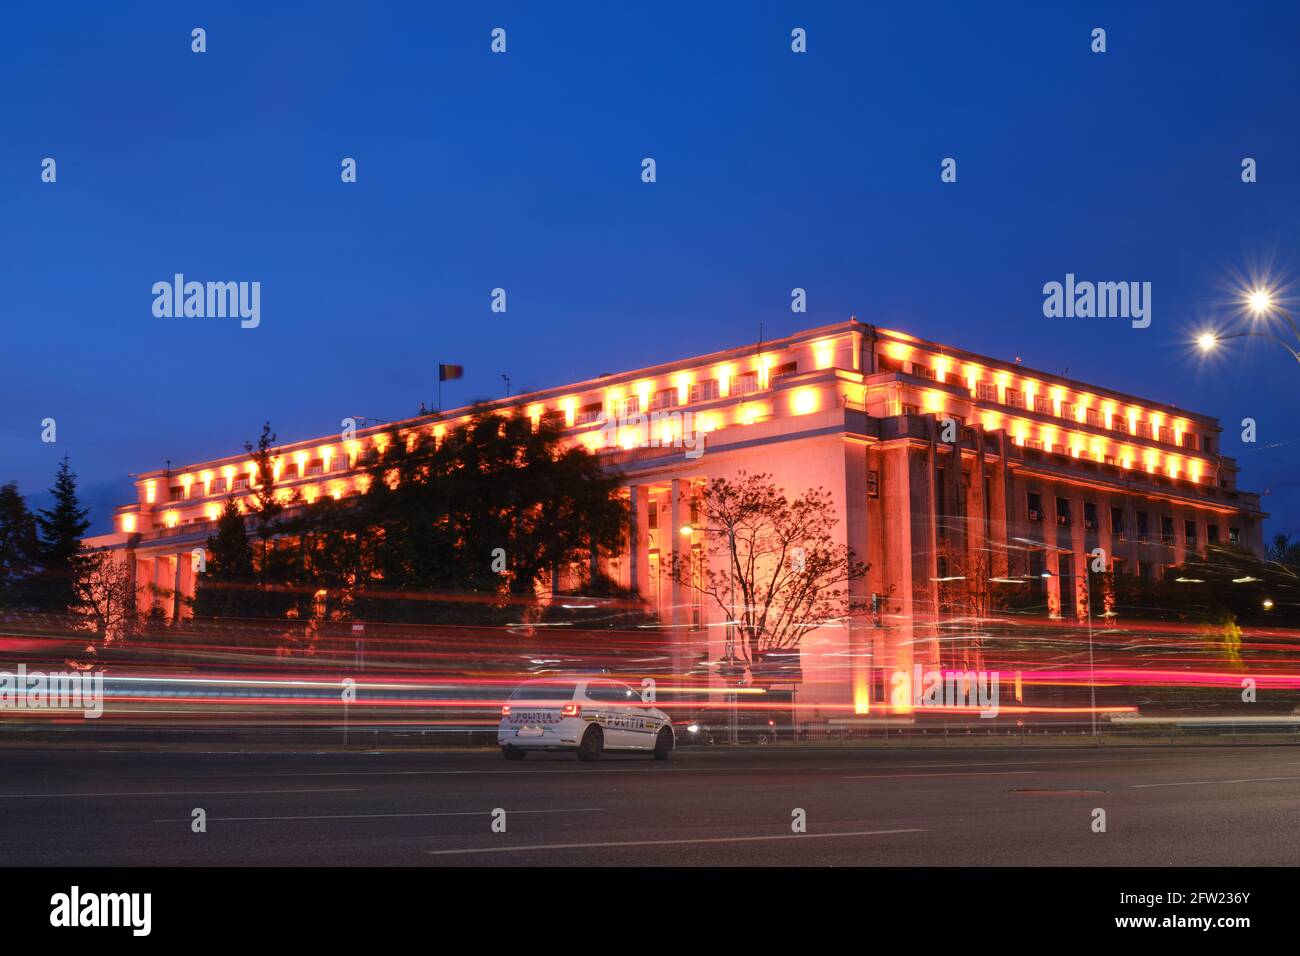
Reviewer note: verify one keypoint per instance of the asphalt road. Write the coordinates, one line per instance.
(1177, 806)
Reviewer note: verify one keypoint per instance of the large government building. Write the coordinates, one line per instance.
(933, 455)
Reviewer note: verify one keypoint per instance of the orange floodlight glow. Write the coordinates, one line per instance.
(683, 382)
(824, 353)
(724, 375)
(900, 699)
(861, 692)
(804, 401)
(129, 523)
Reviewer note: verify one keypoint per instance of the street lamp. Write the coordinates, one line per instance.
(1262, 304)
(729, 659)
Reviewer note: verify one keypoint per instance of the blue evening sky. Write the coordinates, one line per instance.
(522, 170)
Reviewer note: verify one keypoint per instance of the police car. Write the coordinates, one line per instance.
(586, 716)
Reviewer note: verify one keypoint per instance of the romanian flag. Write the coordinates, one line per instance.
(448, 372)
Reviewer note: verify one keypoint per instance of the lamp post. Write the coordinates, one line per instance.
(1262, 305)
(730, 660)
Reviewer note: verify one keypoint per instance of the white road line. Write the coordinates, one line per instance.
(168, 793)
(1202, 783)
(770, 768)
(376, 816)
(973, 773)
(1185, 783)
(748, 839)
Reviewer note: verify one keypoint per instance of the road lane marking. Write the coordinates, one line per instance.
(972, 773)
(746, 839)
(1201, 783)
(369, 816)
(169, 793)
(782, 768)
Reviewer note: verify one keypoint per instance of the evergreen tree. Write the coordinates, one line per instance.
(18, 548)
(487, 513)
(225, 588)
(61, 528)
(275, 566)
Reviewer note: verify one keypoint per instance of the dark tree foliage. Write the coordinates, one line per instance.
(19, 551)
(270, 509)
(55, 586)
(459, 530)
(227, 587)
(1284, 551)
(1226, 584)
(484, 515)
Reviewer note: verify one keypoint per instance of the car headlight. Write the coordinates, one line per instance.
(693, 728)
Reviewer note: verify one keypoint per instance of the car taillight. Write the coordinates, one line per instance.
(571, 710)
(505, 710)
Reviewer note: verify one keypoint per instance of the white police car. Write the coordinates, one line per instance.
(587, 716)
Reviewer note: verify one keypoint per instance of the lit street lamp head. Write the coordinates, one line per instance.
(1207, 341)
(1260, 301)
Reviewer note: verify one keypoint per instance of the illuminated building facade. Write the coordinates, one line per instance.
(944, 465)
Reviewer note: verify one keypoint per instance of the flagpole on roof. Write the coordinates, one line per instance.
(445, 372)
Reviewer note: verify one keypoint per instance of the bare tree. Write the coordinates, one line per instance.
(106, 596)
(788, 573)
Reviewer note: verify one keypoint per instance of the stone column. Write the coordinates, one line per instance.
(675, 553)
